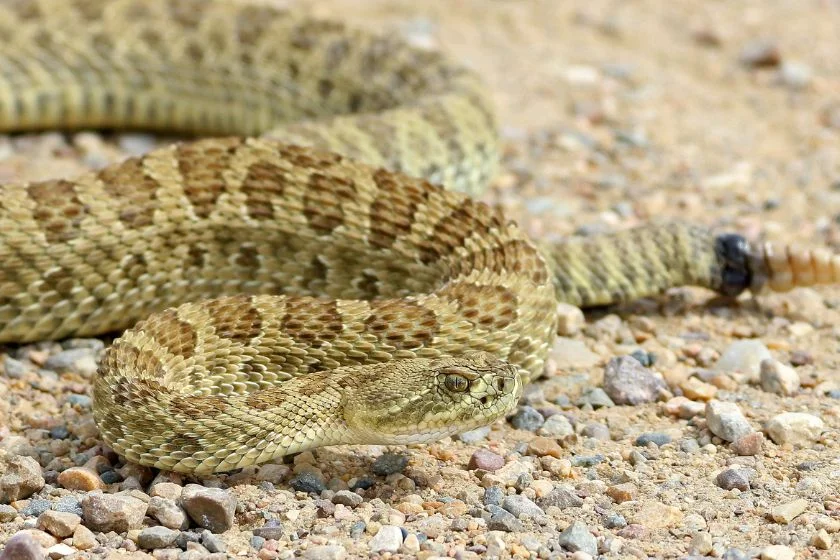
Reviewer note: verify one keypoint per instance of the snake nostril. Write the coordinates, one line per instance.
(485, 400)
(500, 384)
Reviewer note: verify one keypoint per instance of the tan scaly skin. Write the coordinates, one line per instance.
(360, 305)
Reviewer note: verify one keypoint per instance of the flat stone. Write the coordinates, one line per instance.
(556, 426)
(743, 356)
(624, 492)
(76, 360)
(389, 538)
(325, 552)
(656, 515)
(213, 543)
(726, 420)
(821, 540)
(576, 537)
(83, 538)
(7, 513)
(543, 446)
(562, 498)
(113, 512)
(657, 438)
(569, 353)
(778, 552)
(60, 550)
(503, 520)
(796, 428)
(20, 477)
(785, 513)
(168, 513)
(151, 538)
(347, 498)
(698, 390)
(519, 506)
(748, 445)
(210, 508)
(389, 463)
(58, 523)
(776, 377)
(626, 381)
(486, 460)
(527, 418)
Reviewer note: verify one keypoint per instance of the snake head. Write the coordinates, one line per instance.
(422, 400)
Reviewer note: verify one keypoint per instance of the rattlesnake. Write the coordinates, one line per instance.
(354, 304)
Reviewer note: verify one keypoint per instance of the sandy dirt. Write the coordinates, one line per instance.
(613, 114)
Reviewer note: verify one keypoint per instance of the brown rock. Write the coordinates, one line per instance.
(623, 492)
(544, 446)
(58, 523)
(80, 478)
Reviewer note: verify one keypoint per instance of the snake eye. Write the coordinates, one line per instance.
(456, 383)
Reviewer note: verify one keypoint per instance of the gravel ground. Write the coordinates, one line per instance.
(679, 427)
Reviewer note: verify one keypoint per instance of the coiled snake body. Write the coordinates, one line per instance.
(288, 296)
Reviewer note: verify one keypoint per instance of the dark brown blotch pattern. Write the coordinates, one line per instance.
(486, 307)
(392, 214)
(312, 321)
(235, 318)
(325, 199)
(198, 407)
(405, 325)
(132, 191)
(264, 183)
(202, 166)
(172, 333)
(466, 219)
(58, 210)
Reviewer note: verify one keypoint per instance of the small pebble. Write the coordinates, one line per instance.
(211, 542)
(503, 520)
(58, 523)
(83, 538)
(733, 478)
(347, 498)
(577, 537)
(309, 482)
(777, 552)
(80, 478)
(657, 438)
(20, 477)
(556, 426)
(615, 521)
(113, 512)
(762, 53)
(785, 513)
(821, 540)
(474, 436)
(7, 513)
(168, 513)
(626, 381)
(389, 538)
(744, 356)
(493, 495)
(624, 492)
(543, 446)
(389, 463)
(595, 397)
(570, 319)
(76, 360)
(795, 75)
(520, 505)
(748, 445)
(776, 377)
(151, 538)
(486, 460)
(596, 431)
(210, 508)
(697, 390)
(726, 420)
(562, 498)
(60, 550)
(527, 418)
(22, 547)
(796, 428)
(325, 552)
